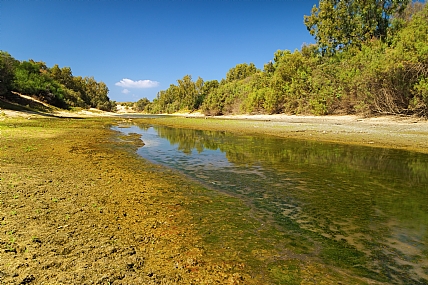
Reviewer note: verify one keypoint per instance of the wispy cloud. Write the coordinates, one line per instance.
(128, 83)
(125, 91)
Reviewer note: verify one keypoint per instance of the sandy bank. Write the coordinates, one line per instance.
(409, 133)
(401, 132)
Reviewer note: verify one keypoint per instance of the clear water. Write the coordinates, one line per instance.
(360, 208)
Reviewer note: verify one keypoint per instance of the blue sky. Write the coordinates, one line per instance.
(141, 47)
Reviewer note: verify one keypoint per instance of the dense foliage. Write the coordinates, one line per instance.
(187, 95)
(370, 57)
(56, 86)
(338, 24)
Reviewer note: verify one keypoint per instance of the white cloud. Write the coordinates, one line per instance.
(128, 83)
(125, 91)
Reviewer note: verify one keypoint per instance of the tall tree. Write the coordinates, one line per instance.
(62, 75)
(337, 24)
(97, 93)
(190, 92)
(241, 71)
(141, 104)
(7, 70)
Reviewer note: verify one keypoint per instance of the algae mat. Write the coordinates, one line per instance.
(78, 206)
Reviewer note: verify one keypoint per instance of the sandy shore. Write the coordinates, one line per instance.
(401, 132)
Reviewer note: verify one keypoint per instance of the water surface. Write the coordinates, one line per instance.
(355, 208)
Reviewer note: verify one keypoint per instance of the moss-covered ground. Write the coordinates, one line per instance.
(78, 206)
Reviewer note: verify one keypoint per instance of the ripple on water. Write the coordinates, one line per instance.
(360, 209)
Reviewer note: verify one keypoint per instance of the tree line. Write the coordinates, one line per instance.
(369, 57)
(56, 86)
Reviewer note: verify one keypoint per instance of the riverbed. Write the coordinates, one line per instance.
(354, 208)
(345, 205)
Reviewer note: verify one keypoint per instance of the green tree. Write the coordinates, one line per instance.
(241, 71)
(142, 104)
(382, 67)
(209, 86)
(400, 20)
(7, 72)
(187, 95)
(97, 93)
(337, 24)
(31, 78)
(62, 75)
(409, 52)
(190, 93)
(56, 86)
(74, 92)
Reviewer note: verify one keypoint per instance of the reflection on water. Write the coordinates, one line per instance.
(365, 207)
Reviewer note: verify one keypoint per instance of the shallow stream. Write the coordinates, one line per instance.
(358, 209)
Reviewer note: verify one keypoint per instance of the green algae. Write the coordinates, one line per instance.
(332, 208)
